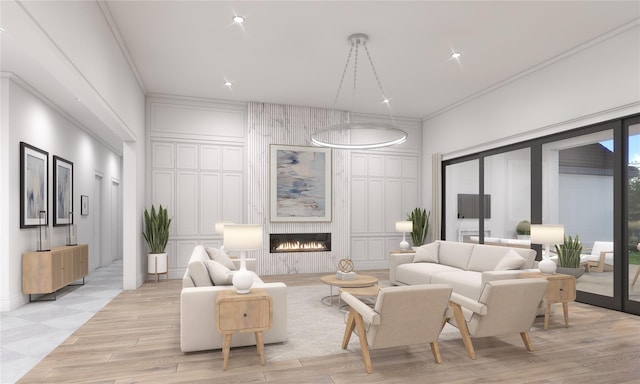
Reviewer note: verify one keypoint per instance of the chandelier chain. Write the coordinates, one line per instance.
(355, 72)
(344, 72)
(375, 73)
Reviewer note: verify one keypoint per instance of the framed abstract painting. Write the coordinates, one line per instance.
(34, 186)
(300, 179)
(62, 191)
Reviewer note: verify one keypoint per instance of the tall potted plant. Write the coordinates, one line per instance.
(569, 256)
(420, 219)
(156, 233)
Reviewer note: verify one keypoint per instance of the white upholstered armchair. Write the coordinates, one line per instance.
(504, 307)
(404, 315)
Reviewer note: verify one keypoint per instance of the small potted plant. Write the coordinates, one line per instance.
(156, 234)
(523, 230)
(420, 219)
(569, 256)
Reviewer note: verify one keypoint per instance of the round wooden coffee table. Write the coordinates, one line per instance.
(359, 282)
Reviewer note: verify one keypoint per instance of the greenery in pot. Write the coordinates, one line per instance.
(156, 231)
(523, 228)
(569, 252)
(420, 219)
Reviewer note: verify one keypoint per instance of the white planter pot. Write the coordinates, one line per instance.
(157, 263)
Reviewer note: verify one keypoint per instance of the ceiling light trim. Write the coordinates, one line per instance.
(353, 127)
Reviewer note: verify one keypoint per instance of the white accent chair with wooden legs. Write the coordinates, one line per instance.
(504, 307)
(405, 315)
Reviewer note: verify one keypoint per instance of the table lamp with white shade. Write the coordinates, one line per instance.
(404, 227)
(220, 228)
(547, 234)
(243, 238)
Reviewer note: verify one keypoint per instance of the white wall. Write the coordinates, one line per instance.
(596, 84)
(32, 120)
(73, 52)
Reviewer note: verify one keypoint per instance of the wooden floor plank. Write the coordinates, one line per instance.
(136, 338)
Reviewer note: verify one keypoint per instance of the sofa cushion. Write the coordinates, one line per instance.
(486, 257)
(199, 273)
(419, 273)
(220, 275)
(511, 260)
(454, 254)
(221, 257)
(465, 283)
(427, 253)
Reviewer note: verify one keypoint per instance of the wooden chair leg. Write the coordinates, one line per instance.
(462, 327)
(351, 323)
(436, 351)
(527, 341)
(362, 335)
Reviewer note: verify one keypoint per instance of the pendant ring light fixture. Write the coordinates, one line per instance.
(375, 135)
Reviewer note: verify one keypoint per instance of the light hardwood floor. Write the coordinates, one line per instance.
(135, 339)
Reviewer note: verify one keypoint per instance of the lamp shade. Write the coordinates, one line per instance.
(220, 226)
(547, 234)
(242, 237)
(404, 226)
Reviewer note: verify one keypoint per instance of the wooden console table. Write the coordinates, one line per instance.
(250, 312)
(48, 271)
(561, 289)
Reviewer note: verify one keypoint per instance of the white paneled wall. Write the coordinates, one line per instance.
(209, 161)
(197, 170)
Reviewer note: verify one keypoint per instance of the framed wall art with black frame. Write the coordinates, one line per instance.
(62, 191)
(34, 186)
(84, 205)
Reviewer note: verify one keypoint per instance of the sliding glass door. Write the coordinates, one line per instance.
(587, 179)
(577, 192)
(633, 215)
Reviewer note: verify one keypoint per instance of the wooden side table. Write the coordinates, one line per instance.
(250, 312)
(561, 289)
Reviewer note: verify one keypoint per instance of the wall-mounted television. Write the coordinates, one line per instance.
(469, 206)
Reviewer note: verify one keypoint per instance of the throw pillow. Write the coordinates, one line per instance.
(199, 274)
(220, 275)
(511, 260)
(427, 253)
(221, 257)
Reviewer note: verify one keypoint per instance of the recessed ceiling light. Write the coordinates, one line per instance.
(456, 55)
(228, 83)
(238, 19)
(386, 101)
(2, 29)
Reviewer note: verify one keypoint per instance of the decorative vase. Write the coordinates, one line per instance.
(547, 266)
(575, 272)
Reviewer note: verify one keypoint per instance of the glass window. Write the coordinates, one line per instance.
(633, 226)
(577, 192)
(462, 201)
(507, 183)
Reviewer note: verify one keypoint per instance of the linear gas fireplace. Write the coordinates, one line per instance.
(299, 242)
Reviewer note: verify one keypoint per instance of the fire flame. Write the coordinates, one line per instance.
(294, 245)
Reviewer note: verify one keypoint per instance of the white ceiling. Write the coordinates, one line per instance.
(294, 52)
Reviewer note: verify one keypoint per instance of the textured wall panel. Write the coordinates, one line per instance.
(186, 215)
(210, 157)
(187, 156)
(293, 125)
(162, 155)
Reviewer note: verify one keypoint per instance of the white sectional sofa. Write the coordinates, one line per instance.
(198, 303)
(464, 266)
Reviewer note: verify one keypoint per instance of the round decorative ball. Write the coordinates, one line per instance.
(345, 265)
